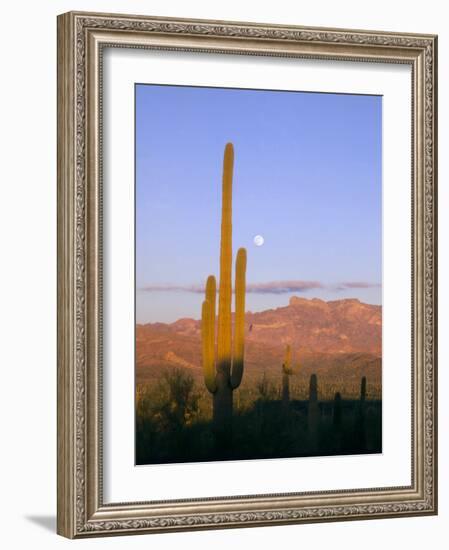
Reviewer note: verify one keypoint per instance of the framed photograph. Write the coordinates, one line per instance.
(247, 281)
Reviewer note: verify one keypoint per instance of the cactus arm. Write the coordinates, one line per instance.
(224, 334)
(211, 295)
(208, 330)
(239, 328)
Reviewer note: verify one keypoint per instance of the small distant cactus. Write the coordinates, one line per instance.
(313, 414)
(287, 371)
(362, 402)
(359, 420)
(223, 369)
(338, 411)
(313, 389)
(363, 390)
(263, 387)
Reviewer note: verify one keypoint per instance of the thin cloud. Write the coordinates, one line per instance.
(271, 287)
(354, 285)
(283, 287)
(173, 288)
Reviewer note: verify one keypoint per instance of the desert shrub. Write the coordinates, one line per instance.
(164, 413)
(266, 389)
(176, 400)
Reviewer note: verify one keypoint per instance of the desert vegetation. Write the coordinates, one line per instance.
(174, 420)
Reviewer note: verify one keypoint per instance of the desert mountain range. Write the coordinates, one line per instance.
(340, 339)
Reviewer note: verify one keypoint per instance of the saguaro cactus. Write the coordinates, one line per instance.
(287, 371)
(359, 420)
(313, 389)
(313, 413)
(223, 363)
(337, 422)
(337, 411)
(363, 390)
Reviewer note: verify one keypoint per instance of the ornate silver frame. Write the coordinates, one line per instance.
(81, 37)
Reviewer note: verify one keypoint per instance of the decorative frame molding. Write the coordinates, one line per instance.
(81, 37)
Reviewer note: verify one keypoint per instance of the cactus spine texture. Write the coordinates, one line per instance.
(223, 370)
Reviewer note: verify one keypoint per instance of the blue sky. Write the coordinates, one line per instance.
(307, 177)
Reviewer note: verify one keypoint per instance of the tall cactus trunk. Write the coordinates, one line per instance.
(222, 399)
(223, 371)
(224, 334)
(222, 415)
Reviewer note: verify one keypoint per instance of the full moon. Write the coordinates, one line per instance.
(259, 240)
